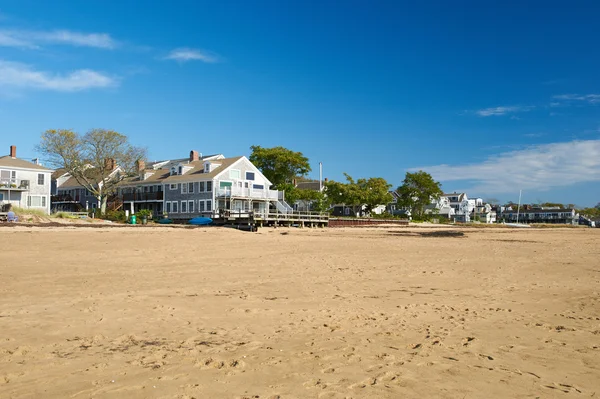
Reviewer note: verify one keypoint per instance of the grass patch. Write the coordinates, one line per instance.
(65, 215)
(33, 212)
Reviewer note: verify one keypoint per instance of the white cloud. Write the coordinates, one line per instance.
(538, 168)
(17, 75)
(187, 54)
(33, 39)
(589, 98)
(495, 111)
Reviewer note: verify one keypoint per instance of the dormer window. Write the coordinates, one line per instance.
(180, 170)
(206, 167)
(173, 171)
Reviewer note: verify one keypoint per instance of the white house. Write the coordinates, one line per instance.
(24, 184)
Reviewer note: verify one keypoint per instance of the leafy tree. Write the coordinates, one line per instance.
(369, 192)
(280, 165)
(98, 160)
(320, 202)
(417, 191)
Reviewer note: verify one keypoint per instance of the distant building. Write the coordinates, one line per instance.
(553, 216)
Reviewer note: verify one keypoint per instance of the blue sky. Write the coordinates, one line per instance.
(489, 97)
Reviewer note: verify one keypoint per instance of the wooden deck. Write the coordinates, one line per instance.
(263, 219)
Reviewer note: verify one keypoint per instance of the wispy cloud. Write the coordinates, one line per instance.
(504, 110)
(533, 135)
(22, 76)
(589, 98)
(188, 54)
(537, 168)
(34, 39)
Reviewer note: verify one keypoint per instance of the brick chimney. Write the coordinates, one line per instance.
(109, 164)
(13, 151)
(194, 156)
(141, 165)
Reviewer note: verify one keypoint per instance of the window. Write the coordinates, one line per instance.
(206, 167)
(246, 184)
(173, 186)
(168, 207)
(208, 186)
(183, 207)
(201, 206)
(190, 188)
(180, 170)
(346, 211)
(191, 206)
(201, 187)
(36, 201)
(174, 205)
(258, 186)
(249, 175)
(173, 171)
(145, 189)
(40, 179)
(184, 188)
(209, 205)
(235, 174)
(158, 189)
(225, 184)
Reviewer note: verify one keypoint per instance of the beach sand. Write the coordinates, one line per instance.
(143, 312)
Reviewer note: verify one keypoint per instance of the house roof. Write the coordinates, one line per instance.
(163, 175)
(313, 185)
(91, 174)
(539, 210)
(460, 196)
(9, 161)
(58, 173)
(197, 172)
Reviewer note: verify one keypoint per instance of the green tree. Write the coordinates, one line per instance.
(98, 160)
(280, 165)
(369, 192)
(417, 191)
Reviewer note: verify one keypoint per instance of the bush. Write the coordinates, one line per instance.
(65, 215)
(144, 213)
(116, 216)
(23, 211)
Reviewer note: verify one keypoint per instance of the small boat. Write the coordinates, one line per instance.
(200, 221)
(165, 221)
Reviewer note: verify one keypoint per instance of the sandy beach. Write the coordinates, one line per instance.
(144, 312)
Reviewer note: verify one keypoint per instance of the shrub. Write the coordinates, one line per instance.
(65, 215)
(144, 213)
(115, 216)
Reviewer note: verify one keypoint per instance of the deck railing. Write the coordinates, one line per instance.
(14, 184)
(247, 193)
(155, 196)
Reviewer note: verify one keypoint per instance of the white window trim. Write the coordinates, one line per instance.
(191, 206)
(184, 202)
(193, 188)
(184, 188)
(173, 186)
(211, 186)
(175, 204)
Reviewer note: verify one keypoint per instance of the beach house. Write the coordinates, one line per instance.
(200, 186)
(24, 184)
